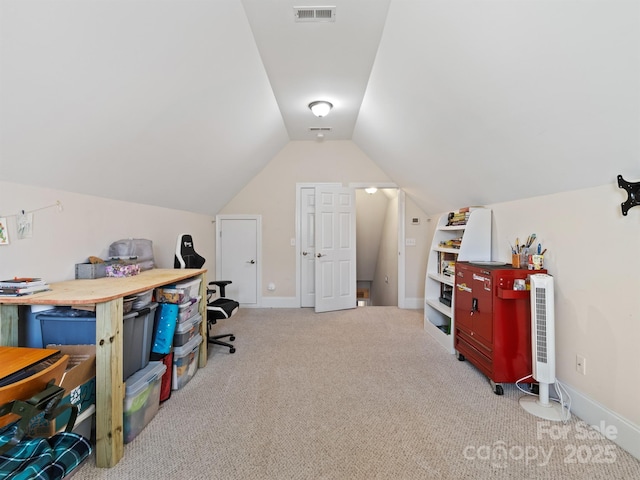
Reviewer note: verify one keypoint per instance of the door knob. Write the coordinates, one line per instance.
(305, 253)
(321, 255)
(251, 261)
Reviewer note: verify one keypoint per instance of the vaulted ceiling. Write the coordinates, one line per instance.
(458, 101)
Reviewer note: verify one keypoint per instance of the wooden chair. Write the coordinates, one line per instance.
(53, 457)
(26, 388)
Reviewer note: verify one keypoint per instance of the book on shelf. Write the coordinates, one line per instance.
(449, 268)
(18, 291)
(20, 282)
(470, 208)
(461, 217)
(453, 243)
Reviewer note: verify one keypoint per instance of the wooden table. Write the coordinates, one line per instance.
(15, 359)
(106, 294)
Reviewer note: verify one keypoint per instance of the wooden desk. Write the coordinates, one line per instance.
(106, 294)
(15, 359)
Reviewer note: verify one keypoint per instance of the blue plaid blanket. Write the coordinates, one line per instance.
(42, 458)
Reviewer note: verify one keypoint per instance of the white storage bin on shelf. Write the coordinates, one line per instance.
(188, 309)
(185, 362)
(179, 293)
(142, 399)
(142, 299)
(186, 330)
(191, 287)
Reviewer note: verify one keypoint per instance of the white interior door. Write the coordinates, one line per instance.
(237, 256)
(335, 229)
(307, 247)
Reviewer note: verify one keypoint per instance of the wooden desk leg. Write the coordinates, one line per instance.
(9, 325)
(202, 360)
(109, 385)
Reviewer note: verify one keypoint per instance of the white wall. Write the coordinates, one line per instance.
(86, 226)
(416, 255)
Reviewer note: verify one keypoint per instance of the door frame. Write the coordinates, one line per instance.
(401, 232)
(258, 219)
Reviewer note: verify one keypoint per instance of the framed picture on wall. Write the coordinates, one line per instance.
(4, 232)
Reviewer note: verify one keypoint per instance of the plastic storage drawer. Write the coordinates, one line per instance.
(178, 293)
(185, 331)
(188, 309)
(142, 399)
(191, 287)
(185, 362)
(142, 299)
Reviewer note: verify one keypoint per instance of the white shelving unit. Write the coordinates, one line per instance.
(475, 246)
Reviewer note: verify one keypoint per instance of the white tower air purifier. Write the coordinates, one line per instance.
(543, 347)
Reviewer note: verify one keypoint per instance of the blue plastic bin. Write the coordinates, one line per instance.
(66, 326)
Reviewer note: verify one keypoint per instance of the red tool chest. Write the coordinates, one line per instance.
(493, 321)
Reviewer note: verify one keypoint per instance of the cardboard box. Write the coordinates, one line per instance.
(79, 384)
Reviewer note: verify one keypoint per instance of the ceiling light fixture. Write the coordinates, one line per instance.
(320, 108)
(371, 190)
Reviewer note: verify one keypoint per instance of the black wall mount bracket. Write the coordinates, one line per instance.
(633, 192)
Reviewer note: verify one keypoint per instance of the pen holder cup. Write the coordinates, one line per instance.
(538, 262)
(515, 260)
(524, 259)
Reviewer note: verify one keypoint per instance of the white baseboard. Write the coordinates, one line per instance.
(627, 434)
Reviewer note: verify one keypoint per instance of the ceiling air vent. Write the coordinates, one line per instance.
(314, 14)
(319, 129)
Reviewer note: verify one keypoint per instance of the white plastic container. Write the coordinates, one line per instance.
(185, 331)
(179, 293)
(142, 399)
(185, 362)
(188, 309)
(142, 299)
(191, 287)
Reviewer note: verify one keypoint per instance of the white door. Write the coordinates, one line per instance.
(307, 247)
(237, 256)
(335, 269)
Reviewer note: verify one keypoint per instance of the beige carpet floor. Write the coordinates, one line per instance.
(358, 394)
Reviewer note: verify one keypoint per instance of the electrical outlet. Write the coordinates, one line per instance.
(581, 364)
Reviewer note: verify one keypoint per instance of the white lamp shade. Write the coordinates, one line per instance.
(320, 108)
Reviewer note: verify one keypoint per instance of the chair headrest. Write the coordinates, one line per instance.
(186, 256)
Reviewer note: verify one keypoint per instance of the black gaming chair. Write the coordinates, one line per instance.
(218, 308)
